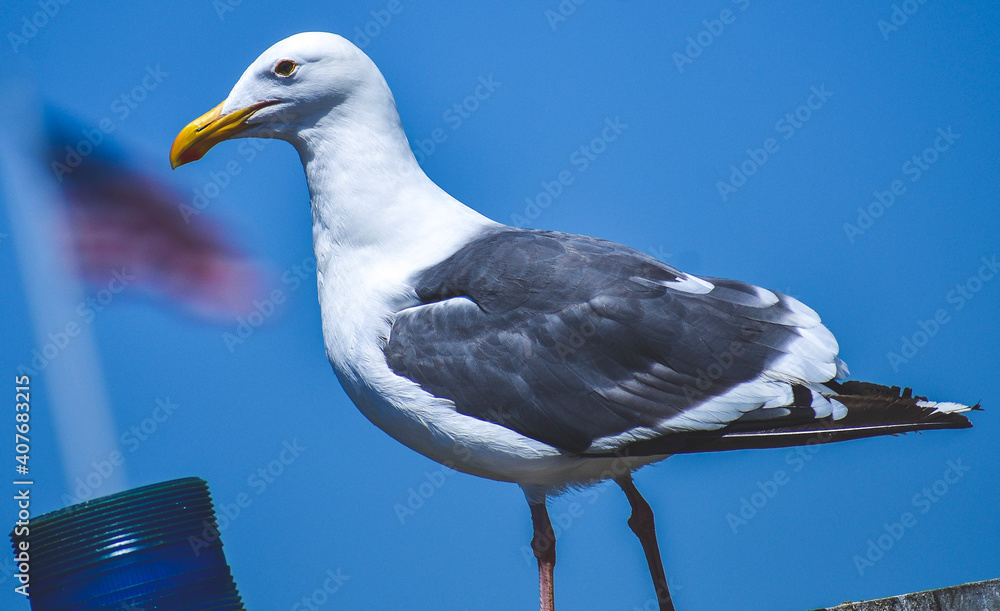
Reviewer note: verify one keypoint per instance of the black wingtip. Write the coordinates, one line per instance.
(872, 410)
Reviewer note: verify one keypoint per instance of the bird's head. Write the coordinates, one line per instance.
(290, 87)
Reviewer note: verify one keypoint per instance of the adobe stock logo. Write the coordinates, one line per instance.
(332, 582)
(260, 481)
(380, 20)
(957, 298)
(712, 31)
(753, 504)
(923, 501)
(122, 107)
(899, 17)
(787, 126)
(30, 25)
(562, 12)
(580, 159)
(454, 116)
(914, 169)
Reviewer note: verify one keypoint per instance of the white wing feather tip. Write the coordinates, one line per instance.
(804, 316)
(945, 407)
(839, 409)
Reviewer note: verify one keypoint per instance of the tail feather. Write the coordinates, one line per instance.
(872, 410)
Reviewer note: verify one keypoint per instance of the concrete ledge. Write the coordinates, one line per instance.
(976, 596)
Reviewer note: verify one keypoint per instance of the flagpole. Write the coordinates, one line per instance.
(64, 358)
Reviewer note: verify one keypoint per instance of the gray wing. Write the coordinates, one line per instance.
(585, 344)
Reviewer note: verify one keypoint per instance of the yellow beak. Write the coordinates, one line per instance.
(208, 130)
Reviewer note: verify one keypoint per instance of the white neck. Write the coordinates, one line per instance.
(366, 188)
(377, 218)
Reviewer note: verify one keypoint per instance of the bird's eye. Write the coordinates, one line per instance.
(285, 67)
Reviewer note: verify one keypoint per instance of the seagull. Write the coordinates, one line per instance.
(546, 359)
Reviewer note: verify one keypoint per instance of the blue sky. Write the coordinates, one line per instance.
(823, 105)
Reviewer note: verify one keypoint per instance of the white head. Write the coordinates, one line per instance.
(298, 84)
(322, 94)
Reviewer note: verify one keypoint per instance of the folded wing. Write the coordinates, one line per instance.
(588, 346)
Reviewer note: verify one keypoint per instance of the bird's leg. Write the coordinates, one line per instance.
(641, 523)
(543, 543)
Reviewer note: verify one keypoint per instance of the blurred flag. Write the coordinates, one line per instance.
(109, 224)
(122, 220)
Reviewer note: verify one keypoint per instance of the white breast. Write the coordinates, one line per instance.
(360, 294)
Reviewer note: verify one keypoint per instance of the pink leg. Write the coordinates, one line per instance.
(641, 523)
(543, 543)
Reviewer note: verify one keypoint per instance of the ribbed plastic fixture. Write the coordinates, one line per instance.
(155, 547)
